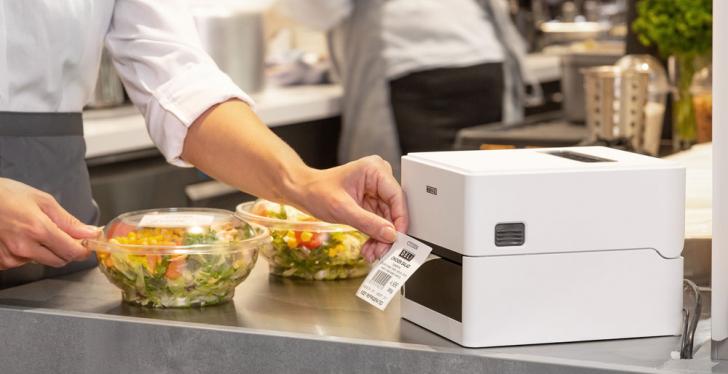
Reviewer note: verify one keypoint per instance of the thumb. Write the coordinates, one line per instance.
(67, 222)
(369, 223)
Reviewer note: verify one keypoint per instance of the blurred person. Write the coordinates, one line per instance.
(415, 72)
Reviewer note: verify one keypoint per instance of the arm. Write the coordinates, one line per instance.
(231, 144)
(197, 116)
(156, 50)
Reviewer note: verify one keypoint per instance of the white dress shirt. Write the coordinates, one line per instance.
(417, 34)
(50, 52)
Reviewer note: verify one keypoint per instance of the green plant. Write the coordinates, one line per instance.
(676, 27)
(683, 29)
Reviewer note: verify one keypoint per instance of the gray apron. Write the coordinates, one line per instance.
(356, 48)
(47, 151)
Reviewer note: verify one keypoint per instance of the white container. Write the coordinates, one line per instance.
(231, 31)
(545, 245)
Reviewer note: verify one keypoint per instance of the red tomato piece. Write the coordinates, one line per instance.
(120, 229)
(153, 261)
(175, 267)
(314, 243)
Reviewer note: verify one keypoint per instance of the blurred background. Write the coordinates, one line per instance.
(340, 79)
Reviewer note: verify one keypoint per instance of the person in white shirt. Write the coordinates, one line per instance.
(416, 71)
(49, 55)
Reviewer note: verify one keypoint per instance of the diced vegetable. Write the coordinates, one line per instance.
(168, 279)
(309, 253)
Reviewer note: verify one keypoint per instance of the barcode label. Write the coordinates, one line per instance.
(395, 267)
(381, 278)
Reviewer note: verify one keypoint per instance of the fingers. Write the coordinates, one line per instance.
(380, 249)
(43, 255)
(376, 205)
(61, 244)
(366, 252)
(64, 220)
(367, 197)
(8, 260)
(371, 224)
(34, 227)
(397, 207)
(383, 209)
(386, 188)
(373, 250)
(22, 251)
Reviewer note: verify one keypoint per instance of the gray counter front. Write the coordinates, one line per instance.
(78, 324)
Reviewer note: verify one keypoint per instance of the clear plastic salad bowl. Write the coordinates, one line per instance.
(304, 247)
(178, 257)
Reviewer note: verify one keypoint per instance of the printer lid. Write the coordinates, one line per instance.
(538, 160)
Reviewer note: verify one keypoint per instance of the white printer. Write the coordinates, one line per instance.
(545, 245)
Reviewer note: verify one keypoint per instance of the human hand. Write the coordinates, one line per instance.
(362, 194)
(34, 227)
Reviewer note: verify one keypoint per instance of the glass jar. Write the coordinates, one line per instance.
(701, 89)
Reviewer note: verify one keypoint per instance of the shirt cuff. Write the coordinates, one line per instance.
(180, 101)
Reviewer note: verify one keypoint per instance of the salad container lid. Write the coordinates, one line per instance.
(178, 231)
(280, 216)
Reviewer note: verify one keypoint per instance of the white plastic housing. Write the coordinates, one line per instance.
(601, 256)
(633, 201)
(719, 281)
(564, 297)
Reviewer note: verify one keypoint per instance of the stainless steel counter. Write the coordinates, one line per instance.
(78, 324)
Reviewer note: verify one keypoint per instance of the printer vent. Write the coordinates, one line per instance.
(576, 156)
(510, 234)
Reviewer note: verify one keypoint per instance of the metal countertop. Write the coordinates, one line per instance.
(294, 313)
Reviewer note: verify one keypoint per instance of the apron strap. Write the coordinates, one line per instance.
(40, 124)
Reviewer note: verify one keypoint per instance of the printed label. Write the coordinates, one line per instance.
(388, 276)
(175, 220)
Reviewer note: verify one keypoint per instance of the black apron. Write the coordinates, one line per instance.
(431, 106)
(47, 151)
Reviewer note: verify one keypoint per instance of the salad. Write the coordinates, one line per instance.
(179, 266)
(304, 247)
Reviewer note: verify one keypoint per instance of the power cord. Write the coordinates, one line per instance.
(691, 317)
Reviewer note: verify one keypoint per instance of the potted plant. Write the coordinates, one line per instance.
(682, 31)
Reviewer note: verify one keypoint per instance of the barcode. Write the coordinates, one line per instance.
(381, 278)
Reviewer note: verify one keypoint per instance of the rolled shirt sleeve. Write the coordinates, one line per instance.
(157, 52)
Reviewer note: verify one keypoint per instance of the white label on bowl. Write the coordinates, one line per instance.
(397, 265)
(175, 220)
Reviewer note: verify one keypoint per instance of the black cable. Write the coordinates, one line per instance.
(691, 317)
